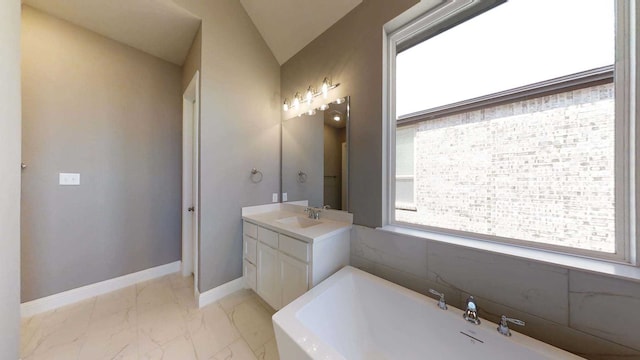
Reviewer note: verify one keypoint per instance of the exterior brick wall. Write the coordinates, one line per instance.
(538, 170)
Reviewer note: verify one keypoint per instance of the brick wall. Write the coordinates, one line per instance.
(538, 170)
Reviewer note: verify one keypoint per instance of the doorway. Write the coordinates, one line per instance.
(190, 179)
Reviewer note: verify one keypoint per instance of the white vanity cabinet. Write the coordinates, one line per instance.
(280, 268)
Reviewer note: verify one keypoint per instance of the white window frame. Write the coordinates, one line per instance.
(448, 13)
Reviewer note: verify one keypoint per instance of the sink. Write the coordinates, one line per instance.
(298, 221)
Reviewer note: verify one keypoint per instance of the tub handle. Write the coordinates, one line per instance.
(503, 328)
(441, 303)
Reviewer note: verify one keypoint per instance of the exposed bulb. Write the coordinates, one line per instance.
(324, 107)
(296, 101)
(336, 118)
(325, 87)
(339, 101)
(311, 112)
(309, 95)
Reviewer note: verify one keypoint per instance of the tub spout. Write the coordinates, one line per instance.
(471, 313)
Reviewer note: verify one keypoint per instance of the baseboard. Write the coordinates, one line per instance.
(217, 293)
(55, 301)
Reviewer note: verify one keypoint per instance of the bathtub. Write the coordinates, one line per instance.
(355, 315)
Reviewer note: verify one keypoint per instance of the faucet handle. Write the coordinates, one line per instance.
(503, 327)
(441, 303)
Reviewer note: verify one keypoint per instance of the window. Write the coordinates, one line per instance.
(513, 129)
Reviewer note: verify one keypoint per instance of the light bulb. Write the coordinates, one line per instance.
(285, 106)
(339, 101)
(311, 112)
(325, 87)
(336, 118)
(309, 95)
(296, 101)
(324, 107)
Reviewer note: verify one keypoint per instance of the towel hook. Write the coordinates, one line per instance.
(255, 179)
(302, 176)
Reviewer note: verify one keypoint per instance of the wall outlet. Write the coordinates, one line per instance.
(274, 197)
(69, 179)
(284, 196)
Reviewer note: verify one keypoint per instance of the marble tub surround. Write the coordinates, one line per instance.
(157, 319)
(331, 222)
(590, 315)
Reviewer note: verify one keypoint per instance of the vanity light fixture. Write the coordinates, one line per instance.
(310, 94)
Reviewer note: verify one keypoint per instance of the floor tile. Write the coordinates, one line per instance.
(238, 350)
(154, 320)
(211, 331)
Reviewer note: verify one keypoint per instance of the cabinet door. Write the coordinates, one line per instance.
(295, 278)
(250, 273)
(269, 275)
(249, 248)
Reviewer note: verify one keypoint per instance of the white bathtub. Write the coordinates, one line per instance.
(355, 315)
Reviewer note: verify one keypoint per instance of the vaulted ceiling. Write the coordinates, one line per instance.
(163, 29)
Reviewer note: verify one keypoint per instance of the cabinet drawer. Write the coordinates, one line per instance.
(250, 229)
(249, 248)
(296, 248)
(250, 274)
(268, 237)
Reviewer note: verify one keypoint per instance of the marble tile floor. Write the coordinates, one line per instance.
(155, 320)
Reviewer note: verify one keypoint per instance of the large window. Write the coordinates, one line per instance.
(511, 124)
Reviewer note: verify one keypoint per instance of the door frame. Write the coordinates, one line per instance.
(191, 178)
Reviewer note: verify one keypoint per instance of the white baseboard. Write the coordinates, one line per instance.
(55, 301)
(217, 293)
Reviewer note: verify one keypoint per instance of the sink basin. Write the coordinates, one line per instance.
(299, 222)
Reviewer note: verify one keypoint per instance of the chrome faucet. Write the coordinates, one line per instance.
(471, 313)
(503, 328)
(313, 213)
(441, 303)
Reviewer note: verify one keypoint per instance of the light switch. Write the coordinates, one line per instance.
(274, 197)
(284, 196)
(69, 179)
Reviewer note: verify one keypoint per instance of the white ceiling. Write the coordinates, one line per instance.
(158, 27)
(287, 26)
(164, 29)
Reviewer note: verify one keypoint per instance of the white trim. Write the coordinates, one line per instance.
(68, 297)
(217, 293)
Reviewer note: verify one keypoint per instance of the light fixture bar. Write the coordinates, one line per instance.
(310, 94)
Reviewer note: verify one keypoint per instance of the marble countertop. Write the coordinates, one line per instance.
(327, 228)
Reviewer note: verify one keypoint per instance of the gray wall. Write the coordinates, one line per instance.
(10, 180)
(303, 150)
(585, 313)
(350, 52)
(240, 130)
(113, 114)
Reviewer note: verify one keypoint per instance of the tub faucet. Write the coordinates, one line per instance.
(503, 328)
(441, 303)
(471, 313)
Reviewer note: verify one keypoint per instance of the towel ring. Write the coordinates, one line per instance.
(302, 176)
(256, 176)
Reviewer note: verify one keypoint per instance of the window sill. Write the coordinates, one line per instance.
(601, 267)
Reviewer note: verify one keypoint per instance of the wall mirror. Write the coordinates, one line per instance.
(315, 156)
